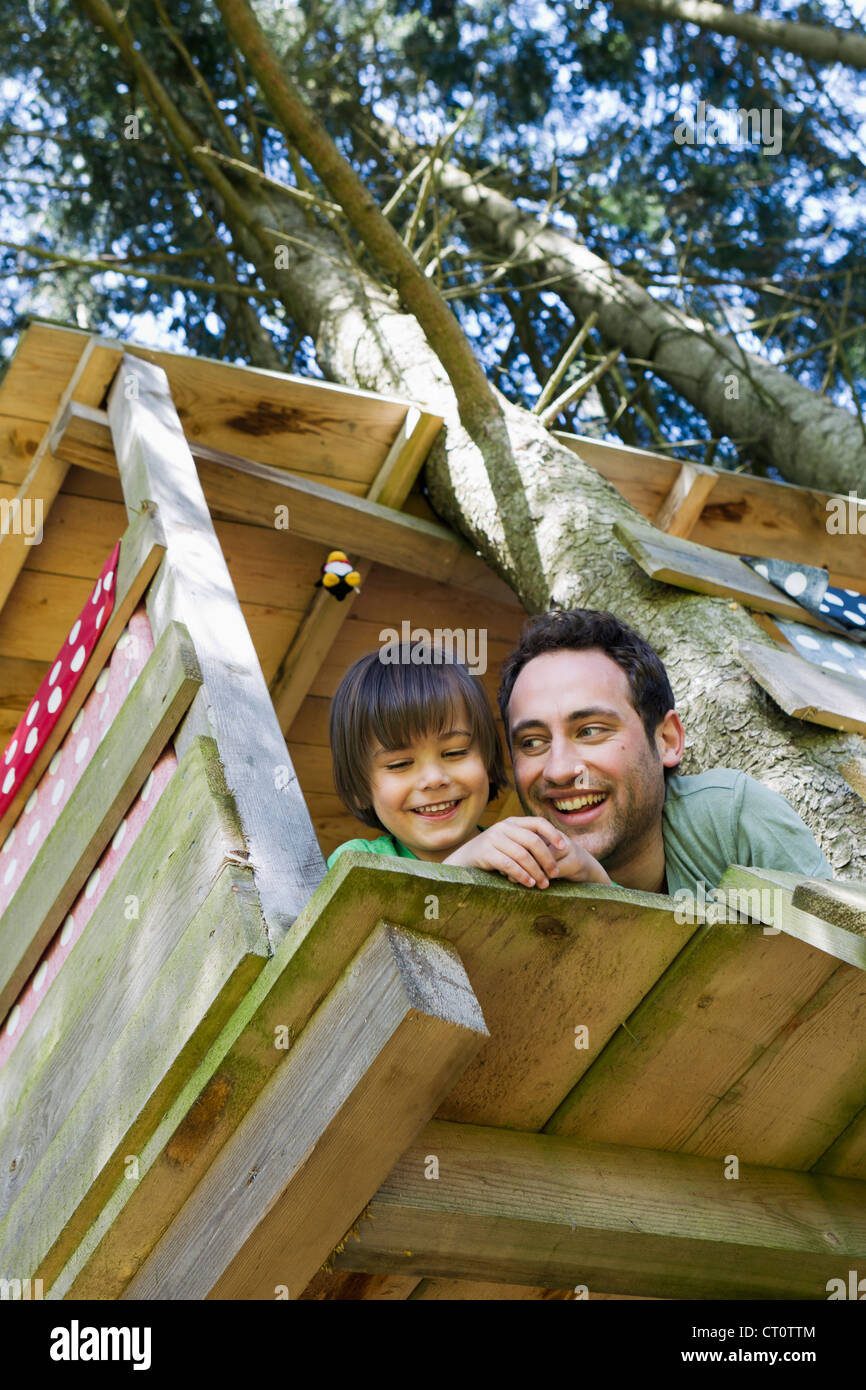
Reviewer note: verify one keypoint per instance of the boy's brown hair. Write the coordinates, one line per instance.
(394, 703)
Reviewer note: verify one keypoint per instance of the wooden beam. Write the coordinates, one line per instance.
(141, 550)
(704, 571)
(531, 1209)
(140, 730)
(366, 1073)
(684, 503)
(321, 513)
(807, 691)
(194, 587)
(775, 894)
(41, 485)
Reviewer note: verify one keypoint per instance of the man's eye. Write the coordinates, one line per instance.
(592, 729)
(529, 745)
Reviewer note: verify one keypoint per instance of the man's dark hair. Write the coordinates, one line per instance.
(579, 630)
(393, 703)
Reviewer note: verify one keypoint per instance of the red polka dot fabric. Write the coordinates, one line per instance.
(45, 707)
(48, 799)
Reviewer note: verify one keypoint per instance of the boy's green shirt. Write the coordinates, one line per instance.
(710, 820)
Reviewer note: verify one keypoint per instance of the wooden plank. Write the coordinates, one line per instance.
(745, 516)
(189, 843)
(36, 493)
(537, 1210)
(141, 550)
(161, 695)
(806, 691)
(601, 947)
(364, 1076)
(684, 503)
(704, 571)
(327, 1288)
(168, 1019)
(843, 904)
(44, 359)
(194, 587)
(724, 999)
(776, 895)
(321, 513)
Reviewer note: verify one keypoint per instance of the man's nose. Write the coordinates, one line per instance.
(564, 764)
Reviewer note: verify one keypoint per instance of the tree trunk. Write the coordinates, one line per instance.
(822, 45)
(806, 437)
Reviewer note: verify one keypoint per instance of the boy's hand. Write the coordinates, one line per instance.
(527, 850)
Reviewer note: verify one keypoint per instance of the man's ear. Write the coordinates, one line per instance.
(670, 739)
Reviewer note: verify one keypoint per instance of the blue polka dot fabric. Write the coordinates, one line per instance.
(842, 609)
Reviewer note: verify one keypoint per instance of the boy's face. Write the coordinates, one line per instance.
(583, 761)
(430, 794)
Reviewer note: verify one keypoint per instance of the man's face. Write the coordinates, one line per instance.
(582, 758)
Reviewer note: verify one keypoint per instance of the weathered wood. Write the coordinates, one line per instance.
(843, 904)
(194, 587)
(704, 571)
(188, 843)
(532, 1209)
(168, 1019)
(806, 691)
(723, 1001)
(746, 515)
(141, 549)
(582, 954)
(40, 486)
(160, 696)
(382, 1051)
(684, 503)
(319, 512)
(775, 895)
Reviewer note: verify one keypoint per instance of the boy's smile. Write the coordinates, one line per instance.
(430, 794)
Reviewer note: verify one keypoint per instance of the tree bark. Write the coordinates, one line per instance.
(806, 437)
(822, 45)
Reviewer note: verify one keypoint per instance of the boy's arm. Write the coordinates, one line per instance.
(530, 851)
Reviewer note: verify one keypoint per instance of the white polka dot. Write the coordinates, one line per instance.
(8, 842)
(55, 672)
(831, 666)
(90, 887)
(10, 871)
(57, 792)
(118, 835)
(795, 583)
(123, 640)
(55, 699)
(13, 1020)
(99, 618)
(854, 617)
(31, 802)
(10, 752)
(33, 831)
(148, 787)
(9, 780)
(32, 713)
(843, 650)
(81, 750)
(852, 593)
(762, 569)
(108, 581)
(54, 764)
(32, 740)
(834, 599)
(78, 660)
(862, 605)
(39, 977)
(73, 636)
(77, 722)
(808, 642)
(68, 929)
(97, 591)
(824, 608)
(105, 711)
(102, 681)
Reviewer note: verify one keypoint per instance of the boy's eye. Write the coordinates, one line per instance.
(394, 767)
(455, 752)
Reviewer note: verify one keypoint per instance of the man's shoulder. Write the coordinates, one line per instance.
(714, 784)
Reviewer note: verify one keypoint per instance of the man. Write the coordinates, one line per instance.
(589, 716)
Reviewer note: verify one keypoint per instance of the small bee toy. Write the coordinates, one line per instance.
(338, 577)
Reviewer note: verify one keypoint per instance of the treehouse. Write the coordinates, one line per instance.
(227, 1074)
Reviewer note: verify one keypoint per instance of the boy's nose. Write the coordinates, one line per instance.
(433, 774)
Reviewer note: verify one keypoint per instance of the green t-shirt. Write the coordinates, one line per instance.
(710, 820)
(722, 817)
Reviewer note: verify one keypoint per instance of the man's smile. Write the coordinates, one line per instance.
(576, 808)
